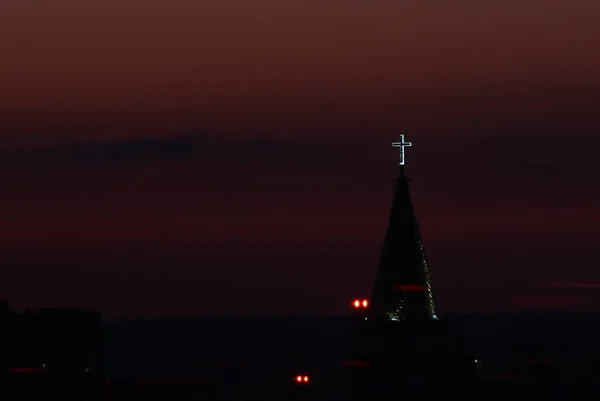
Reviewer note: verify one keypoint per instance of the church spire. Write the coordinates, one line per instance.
(402, 289)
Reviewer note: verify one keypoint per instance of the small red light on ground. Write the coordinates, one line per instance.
(365, 303)
(26, 370)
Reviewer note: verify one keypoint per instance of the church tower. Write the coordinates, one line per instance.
(403, 289)
(400, 336)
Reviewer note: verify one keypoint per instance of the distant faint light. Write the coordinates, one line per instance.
(435, 317)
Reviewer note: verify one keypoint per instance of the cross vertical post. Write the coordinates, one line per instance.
(402, 145)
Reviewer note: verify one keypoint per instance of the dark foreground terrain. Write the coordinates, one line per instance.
(545, 357)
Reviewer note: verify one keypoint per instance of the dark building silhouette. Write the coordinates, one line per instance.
(54, 353)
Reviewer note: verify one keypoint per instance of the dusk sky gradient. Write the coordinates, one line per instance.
(233, 157)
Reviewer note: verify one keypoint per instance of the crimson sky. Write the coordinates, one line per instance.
(234, 157)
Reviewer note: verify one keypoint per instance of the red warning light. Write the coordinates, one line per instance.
(358, 303)
(301, 379)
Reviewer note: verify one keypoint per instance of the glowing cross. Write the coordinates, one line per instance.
(401, 145)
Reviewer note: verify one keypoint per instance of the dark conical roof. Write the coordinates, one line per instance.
(402, 290)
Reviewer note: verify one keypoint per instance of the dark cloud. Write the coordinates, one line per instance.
(533, 158)
(523, 166)
(189, 147)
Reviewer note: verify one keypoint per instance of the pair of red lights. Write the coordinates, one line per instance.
(301, 379)
(360, 303)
